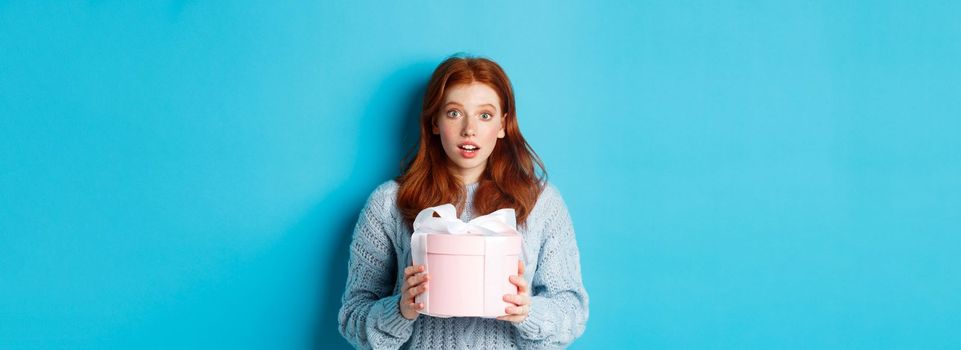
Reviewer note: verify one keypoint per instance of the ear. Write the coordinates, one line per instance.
(435, 130)
(501, 134)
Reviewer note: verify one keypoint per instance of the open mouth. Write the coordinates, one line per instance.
(469, 148)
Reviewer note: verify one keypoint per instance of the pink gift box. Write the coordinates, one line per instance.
(469, 263)
(469, 274)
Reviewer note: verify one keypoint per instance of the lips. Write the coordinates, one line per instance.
(468, 149)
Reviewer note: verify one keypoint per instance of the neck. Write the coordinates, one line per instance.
(468, 176)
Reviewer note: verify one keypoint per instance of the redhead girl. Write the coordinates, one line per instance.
(471, 153)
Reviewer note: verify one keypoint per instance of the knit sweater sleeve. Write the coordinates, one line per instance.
(369, 315)
(559, 305)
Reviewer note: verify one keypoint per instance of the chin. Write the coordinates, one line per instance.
(473, 163)
(468, 165)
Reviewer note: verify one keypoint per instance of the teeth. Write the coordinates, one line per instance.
(469, 147)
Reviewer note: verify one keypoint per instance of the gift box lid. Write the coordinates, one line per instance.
(469, 244)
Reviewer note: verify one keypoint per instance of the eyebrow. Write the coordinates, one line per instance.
(488, 105)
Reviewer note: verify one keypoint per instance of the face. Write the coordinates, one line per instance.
(469, 123)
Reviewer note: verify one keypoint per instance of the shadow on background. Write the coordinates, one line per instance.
(392, 115)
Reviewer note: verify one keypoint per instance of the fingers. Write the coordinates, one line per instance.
(518, 299)
(515, 314)
(410, 270)
(520, 283)
(410, 310)
(518, 310)
(415, 306)
(416, 290)
(416, 279)
(518, 280)
(512, 318)
(522, 300)
(413, 286)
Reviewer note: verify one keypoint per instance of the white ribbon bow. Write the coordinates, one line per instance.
(502, 221)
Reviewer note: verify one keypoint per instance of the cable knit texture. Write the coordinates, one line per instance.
(370, 315)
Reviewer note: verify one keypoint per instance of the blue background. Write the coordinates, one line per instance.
(750, 175)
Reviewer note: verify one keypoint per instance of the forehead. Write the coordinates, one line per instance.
(472, 95)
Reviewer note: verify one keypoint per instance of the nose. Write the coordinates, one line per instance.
(470, 128)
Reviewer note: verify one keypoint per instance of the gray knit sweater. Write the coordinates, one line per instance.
(370, 316)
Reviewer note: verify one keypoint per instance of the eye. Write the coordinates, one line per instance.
(486, 116)
(453, 113)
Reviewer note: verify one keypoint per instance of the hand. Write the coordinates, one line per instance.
(413, 286)
(521, 301)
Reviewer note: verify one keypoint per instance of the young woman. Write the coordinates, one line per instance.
(471, 153)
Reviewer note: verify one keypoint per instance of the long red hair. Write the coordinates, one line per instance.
(510, 179)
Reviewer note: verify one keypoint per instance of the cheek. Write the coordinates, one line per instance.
(449, 136)
(492, 132)
(445, 130)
